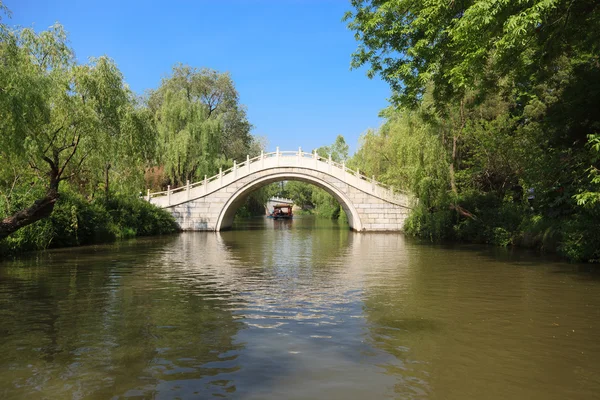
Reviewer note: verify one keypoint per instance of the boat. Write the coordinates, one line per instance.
(282, 211)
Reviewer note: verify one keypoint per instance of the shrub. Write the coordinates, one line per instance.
(76, 221)
(581, 237)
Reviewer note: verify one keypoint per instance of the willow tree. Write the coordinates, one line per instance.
(200, 123)
(406, 153)
(55, 115)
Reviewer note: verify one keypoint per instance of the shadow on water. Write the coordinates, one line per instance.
(516, 256)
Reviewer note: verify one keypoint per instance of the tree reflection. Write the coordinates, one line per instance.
(111, 322)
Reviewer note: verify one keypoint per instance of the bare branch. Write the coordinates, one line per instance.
(462, 211)
(50, 162)
(51, 139)
(74, 145)
(63, 148)
(77, 168)
(33, 166)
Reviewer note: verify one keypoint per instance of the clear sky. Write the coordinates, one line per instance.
(289, 59)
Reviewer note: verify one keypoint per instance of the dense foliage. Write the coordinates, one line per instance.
(496, 122)
(201, 125)
(76, 145)
(76, 221)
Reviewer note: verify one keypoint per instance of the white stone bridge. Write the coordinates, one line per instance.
(210, 205)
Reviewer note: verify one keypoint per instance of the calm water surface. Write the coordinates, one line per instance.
(297, 310)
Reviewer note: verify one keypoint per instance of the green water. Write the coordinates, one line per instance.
(299, 309)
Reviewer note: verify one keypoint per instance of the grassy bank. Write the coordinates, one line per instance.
(76, 222)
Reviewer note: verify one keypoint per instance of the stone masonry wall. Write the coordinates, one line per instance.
(374, 213)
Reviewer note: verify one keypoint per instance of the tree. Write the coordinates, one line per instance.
(510, 92)
(128, 149)
(467, 50)
(407, 153)
(300, 192)
(54, 115)
(470, 45)
(338, 150)
(540, 55)
(590, 196)
(200, 123)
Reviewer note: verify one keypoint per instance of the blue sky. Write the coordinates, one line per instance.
(289, 59)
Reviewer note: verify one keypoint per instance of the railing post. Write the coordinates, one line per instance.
(220, 176)
(316, 158)
(168, 195)
(234, 169)
(248, 162)
(277, 155)
(148, 194)
(329, 162)
(205, 184)
(262, 159)
(299, 154)
(344, 170)
(187, 188)
(373, 183)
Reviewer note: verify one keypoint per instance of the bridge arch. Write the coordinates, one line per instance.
(210, 205)
(238, 198)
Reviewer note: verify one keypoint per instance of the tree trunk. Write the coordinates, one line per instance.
(453, 164)
(106, 189)
(41, 208)
(178, 177)
(452, 179)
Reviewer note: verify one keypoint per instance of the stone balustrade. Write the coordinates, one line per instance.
(211, 203)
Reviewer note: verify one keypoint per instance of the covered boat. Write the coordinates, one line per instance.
(282, 211)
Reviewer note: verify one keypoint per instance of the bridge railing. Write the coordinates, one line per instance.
(245, 167)
(280, 199)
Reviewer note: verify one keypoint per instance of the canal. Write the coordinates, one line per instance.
(297, 310)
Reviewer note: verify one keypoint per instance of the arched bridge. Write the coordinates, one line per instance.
(210, 205)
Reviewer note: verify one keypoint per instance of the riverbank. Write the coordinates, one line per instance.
(77, 222)
(493, 221)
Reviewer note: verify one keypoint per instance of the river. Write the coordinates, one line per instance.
(301, 309)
